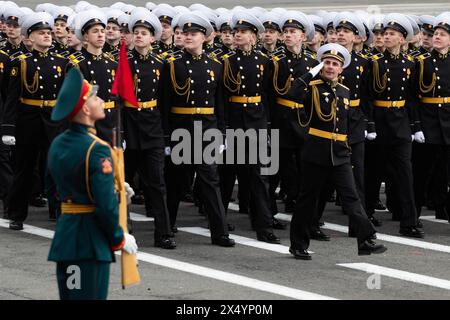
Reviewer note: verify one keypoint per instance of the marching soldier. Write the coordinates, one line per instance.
(319, 35)
(61, 15)
(143, 126)
(326, 154)
(226, 36)
(192, 94)
(391, 117)
(32, 89)
(96, 66)
(288, 66)
(14, 46)
(113, 32)
(125, 33)
(82, 166)
(165, 14)
(75, 44)
(246, 78)
(6, 173)
(427, 29)
(433, 90)
(271, 34)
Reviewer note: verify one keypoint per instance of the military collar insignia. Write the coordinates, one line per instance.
(197, 57)
(41, 54)
(246, 53)
(443, 56)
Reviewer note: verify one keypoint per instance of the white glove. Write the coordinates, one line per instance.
(365, 133)
(419, 137)
(130, 192)
(9, 140)
(371, 136)
(167, 151)
(130, 245)
(223, 147)
(314, 71)
(412, 138)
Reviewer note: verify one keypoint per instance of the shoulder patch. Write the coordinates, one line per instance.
(106, 165)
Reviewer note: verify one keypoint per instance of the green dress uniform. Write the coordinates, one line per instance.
(82, 167)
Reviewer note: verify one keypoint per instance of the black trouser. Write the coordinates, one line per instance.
(397, 159)
(208, 179)
(314, 179)
(6, 171)
(26, 158)
(357, 162)
(149, 164)
(374, 176)
(258, 186)
(227, 177)
(290, 171)
(430, 168)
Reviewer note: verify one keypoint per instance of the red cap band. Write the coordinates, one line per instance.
(85, 90)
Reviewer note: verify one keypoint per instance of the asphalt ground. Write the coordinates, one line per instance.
(416, 269)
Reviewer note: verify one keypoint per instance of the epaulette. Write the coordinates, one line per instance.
(409, 57)
(21, 56)
(377, 56)
(423, 56)
(261, 53)
(345, 87)
(315, 82)
(54, 54)
(362, 55)
(310, 54)
(109, 56)
(227, 55)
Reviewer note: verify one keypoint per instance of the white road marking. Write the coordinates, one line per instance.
(202, 271)
(433, 219)
(398, 274)
(380, 236)
(241, 240)
(140, 217)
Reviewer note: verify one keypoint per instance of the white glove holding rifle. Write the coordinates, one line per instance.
(130, 245)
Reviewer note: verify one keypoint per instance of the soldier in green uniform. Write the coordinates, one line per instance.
(82, 166)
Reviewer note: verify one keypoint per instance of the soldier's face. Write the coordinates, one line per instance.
(193, 40)
(142, 37)
(332, 68)
(112, 32)
(227, 37)
(318, 38)
(41, 38)
(393, 38)
(331, 36)
(178, 38)
(72, 40)
(60, 29)
(95, 36)
(293, 36)
(441, 39)
(167, 31)
(270, 36)
(93, 108)
(345, 37)
(244, 37)
(378, 39)
(427, 40)
(12, 31)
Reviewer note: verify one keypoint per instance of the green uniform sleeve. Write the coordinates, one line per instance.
(101, 183)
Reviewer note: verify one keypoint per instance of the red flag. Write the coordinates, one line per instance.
(123, 82)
